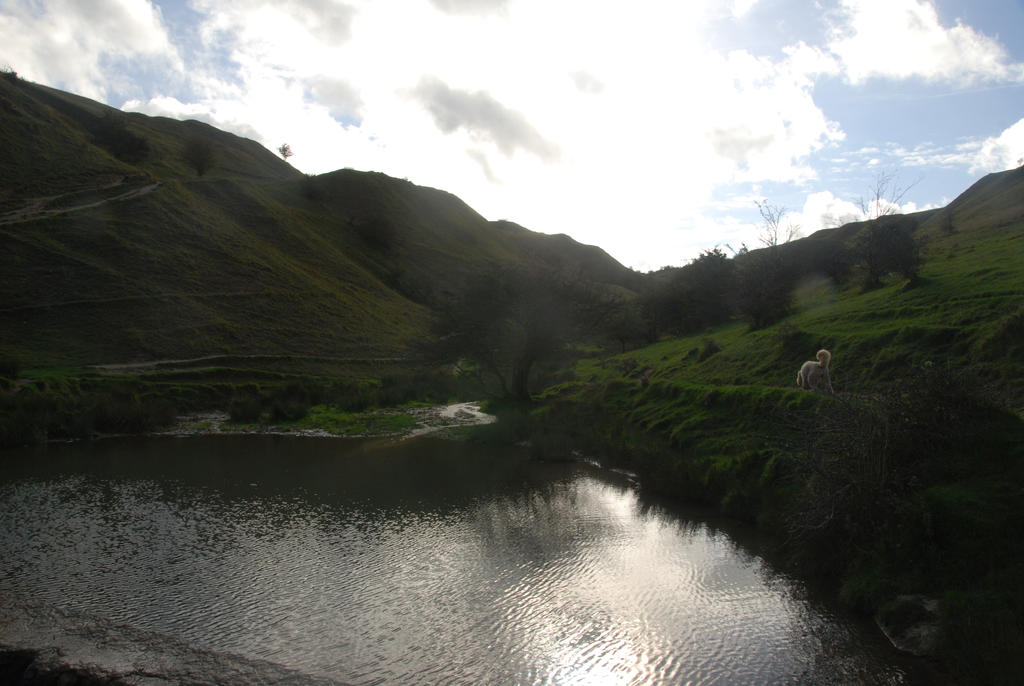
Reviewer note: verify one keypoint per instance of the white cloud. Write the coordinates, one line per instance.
(587, 83)
(470, 6)
(618, 125)
(902, 39)
(765, 119)
(823, 210)
(1001, 152)
(339, 96)
(627, 127)
(82, 45)
(278, 23)
(974, 155)
(483, 117)
(740, 8)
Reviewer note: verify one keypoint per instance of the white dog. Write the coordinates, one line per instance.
(814, 376)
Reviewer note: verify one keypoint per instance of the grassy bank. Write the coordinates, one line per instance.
(915, 491)
(335, 396)
(909, 481)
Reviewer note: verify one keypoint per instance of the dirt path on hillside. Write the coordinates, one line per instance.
(51, 205)
(189, 364)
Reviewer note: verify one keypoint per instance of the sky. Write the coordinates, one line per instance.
(650, 128)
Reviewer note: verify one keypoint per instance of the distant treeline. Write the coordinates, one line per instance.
(759, 285)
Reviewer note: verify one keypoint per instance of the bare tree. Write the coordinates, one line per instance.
(285, 151)
(773, 231)
(885, 196)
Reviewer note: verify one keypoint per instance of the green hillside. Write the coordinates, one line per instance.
(118, 246)
(910, 480)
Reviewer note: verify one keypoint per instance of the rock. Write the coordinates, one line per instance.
(911, 623)
(46, 667)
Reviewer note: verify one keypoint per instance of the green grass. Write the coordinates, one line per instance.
(924, 454)
(336, 421)
(252, 258)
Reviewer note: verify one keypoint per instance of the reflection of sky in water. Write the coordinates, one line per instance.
(515, 573)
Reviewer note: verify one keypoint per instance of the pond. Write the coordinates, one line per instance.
(414, 562)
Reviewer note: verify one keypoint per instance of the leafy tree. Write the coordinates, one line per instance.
(625, 325)
(887, 246)
(285, 151)
(690, 298)
(507, 323)
(709, 281)
(662, 304)
(763, 286)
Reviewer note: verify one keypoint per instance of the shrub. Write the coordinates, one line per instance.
(860, 465)
(245, 409)
(288, 409)
(292, 402)
(887, 246)
(763, 287)
(120, 412)
(111, 132)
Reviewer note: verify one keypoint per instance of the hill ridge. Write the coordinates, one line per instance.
(138, 227)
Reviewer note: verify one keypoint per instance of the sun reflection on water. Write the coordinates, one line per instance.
(523, 574)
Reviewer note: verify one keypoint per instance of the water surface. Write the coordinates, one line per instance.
(413, 562)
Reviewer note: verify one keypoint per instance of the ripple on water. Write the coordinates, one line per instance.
(569, 581)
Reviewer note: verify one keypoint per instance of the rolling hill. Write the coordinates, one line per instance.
(129, 238)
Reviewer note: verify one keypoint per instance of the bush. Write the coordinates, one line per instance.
(119, 412)
(288, 409)
(861, 465)
(37, 414)
(111, 132)
(245, 409)
(887, 246)
(292, 402)
(763, 287)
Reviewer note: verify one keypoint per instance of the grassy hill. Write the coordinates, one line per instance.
(119, 247)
